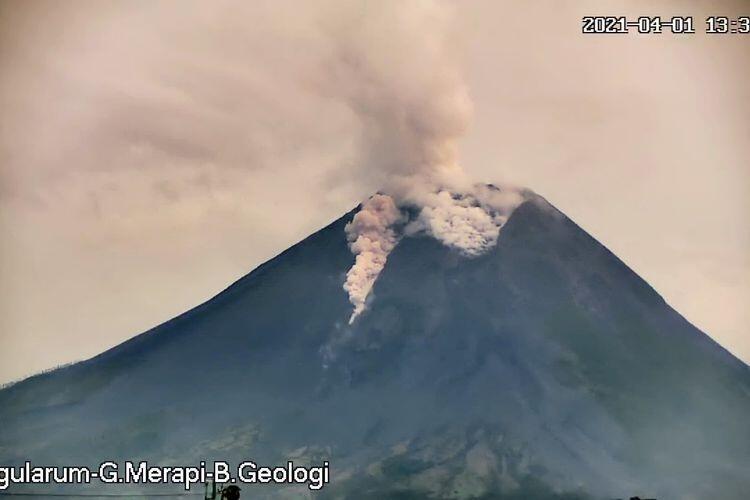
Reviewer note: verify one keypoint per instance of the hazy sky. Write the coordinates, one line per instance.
(153, 152)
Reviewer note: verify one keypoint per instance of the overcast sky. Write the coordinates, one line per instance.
(153, 152)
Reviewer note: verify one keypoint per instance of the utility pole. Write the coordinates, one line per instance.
(210, 490)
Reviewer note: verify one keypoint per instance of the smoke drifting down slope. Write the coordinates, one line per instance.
(371, 235)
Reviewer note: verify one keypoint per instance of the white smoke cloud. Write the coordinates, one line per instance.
(468, 229)
(462, 221)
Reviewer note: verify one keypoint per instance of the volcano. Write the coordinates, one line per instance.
(544, 368)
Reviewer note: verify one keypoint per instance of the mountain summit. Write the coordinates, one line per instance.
(543, 368)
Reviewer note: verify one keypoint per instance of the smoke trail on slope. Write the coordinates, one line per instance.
(371, 237)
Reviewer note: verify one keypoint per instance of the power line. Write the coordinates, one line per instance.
(101, 495)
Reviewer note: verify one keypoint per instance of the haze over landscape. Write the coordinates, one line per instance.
(150, 156)
(473, 253)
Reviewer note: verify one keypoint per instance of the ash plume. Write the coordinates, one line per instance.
(409, 96)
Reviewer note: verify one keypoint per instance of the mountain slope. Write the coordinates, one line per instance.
(543, 369)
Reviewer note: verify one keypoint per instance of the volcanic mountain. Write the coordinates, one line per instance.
(544, 368)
